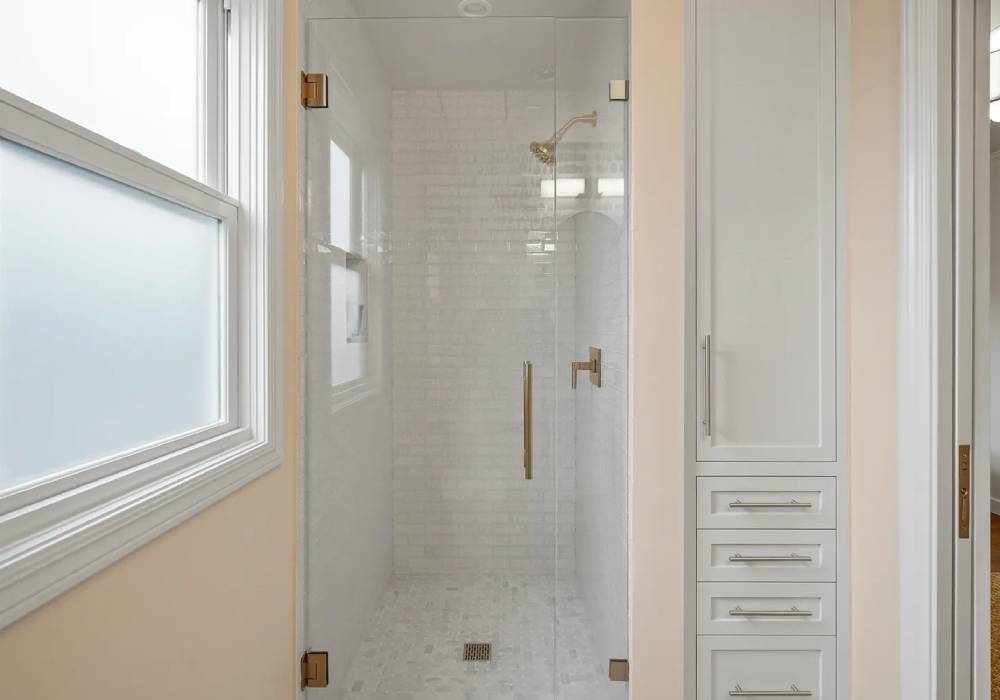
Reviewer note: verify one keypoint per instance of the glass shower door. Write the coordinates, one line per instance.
(443, 250)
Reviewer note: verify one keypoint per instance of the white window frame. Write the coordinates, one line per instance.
(58, 530)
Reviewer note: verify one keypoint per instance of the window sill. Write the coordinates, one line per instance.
(39, 566)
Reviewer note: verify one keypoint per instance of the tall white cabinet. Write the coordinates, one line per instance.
(766, 338)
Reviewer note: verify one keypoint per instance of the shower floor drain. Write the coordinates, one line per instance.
(478, 651)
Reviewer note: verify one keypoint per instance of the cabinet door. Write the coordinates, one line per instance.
(766, 229)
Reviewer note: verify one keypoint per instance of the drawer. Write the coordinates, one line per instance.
(767, 555)
(762, 667)
(767, 502)
(767, 608)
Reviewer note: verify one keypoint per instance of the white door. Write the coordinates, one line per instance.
(766, 241)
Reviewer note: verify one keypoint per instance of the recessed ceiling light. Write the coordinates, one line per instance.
(476, 8)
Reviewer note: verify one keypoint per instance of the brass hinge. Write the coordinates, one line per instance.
(315, 669)
(618, 669)
(964, 490)
(314, 91)
(618, 91)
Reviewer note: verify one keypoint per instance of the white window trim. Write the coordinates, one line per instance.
(56, 532)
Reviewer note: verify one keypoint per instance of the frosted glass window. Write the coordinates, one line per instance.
(340, 198)
(109, 317)
(127, 69)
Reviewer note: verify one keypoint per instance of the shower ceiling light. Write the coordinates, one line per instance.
(476, 8)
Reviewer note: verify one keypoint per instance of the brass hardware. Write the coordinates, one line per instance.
(792, 612)
(315, 669)
(593, 365)
(770, 557)
(618, 670)
(792, 692)
(964, 490)
(618, 91)
(477, 651)
(781, 504)
(314, 91)
(546, 150)
(526, 380)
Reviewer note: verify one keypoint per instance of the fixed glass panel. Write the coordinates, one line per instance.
(110, 303)
(127, 69)
(593, 234)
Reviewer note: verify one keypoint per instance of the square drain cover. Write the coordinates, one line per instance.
(478, 651)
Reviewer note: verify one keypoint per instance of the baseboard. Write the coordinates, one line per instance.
(995, 505)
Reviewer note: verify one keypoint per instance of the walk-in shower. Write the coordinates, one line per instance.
(458, 277)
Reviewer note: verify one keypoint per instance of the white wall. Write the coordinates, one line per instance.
(470, 303)
(348, 439)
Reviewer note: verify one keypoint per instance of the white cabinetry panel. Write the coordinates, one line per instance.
(767, 502)
(767, 555)
(767, 608)
(750, 666)
(766, 229)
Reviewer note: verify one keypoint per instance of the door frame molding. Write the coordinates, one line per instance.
(942, 198)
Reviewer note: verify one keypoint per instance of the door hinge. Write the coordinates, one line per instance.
(618, 669)
(618, 91)
(315, 669)
(964, 490)
(314, 91)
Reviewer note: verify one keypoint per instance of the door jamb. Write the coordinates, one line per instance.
(943, 156)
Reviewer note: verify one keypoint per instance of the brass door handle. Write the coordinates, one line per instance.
(593, 365)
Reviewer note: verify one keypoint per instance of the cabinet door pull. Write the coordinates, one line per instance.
(707, 420)
(791, 612)
(792, 692)
(770, 557)
(780, 504)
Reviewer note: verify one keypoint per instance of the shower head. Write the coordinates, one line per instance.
(546, 150)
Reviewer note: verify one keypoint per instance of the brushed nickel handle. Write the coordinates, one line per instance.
(779, 504)
(707, 420)
(526, 379)
(791, 612)
(792, 692)
(770, 557)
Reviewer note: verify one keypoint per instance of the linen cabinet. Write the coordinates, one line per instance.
(763, 221)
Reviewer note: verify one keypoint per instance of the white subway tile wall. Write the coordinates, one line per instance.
(483, 278)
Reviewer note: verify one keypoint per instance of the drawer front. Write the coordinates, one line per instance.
(766, 667)
(767, 502)
(767, 555)
(767, 608)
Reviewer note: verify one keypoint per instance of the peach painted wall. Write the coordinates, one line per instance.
(872, 245)
(657, 662)
(208, 609)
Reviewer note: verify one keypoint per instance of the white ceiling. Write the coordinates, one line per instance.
(494, 53)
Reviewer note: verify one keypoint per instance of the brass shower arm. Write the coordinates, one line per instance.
(578, 119)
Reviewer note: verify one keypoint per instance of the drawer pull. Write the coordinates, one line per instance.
(791, 612)
(792, 692)
(770, 557)
(781, 504)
